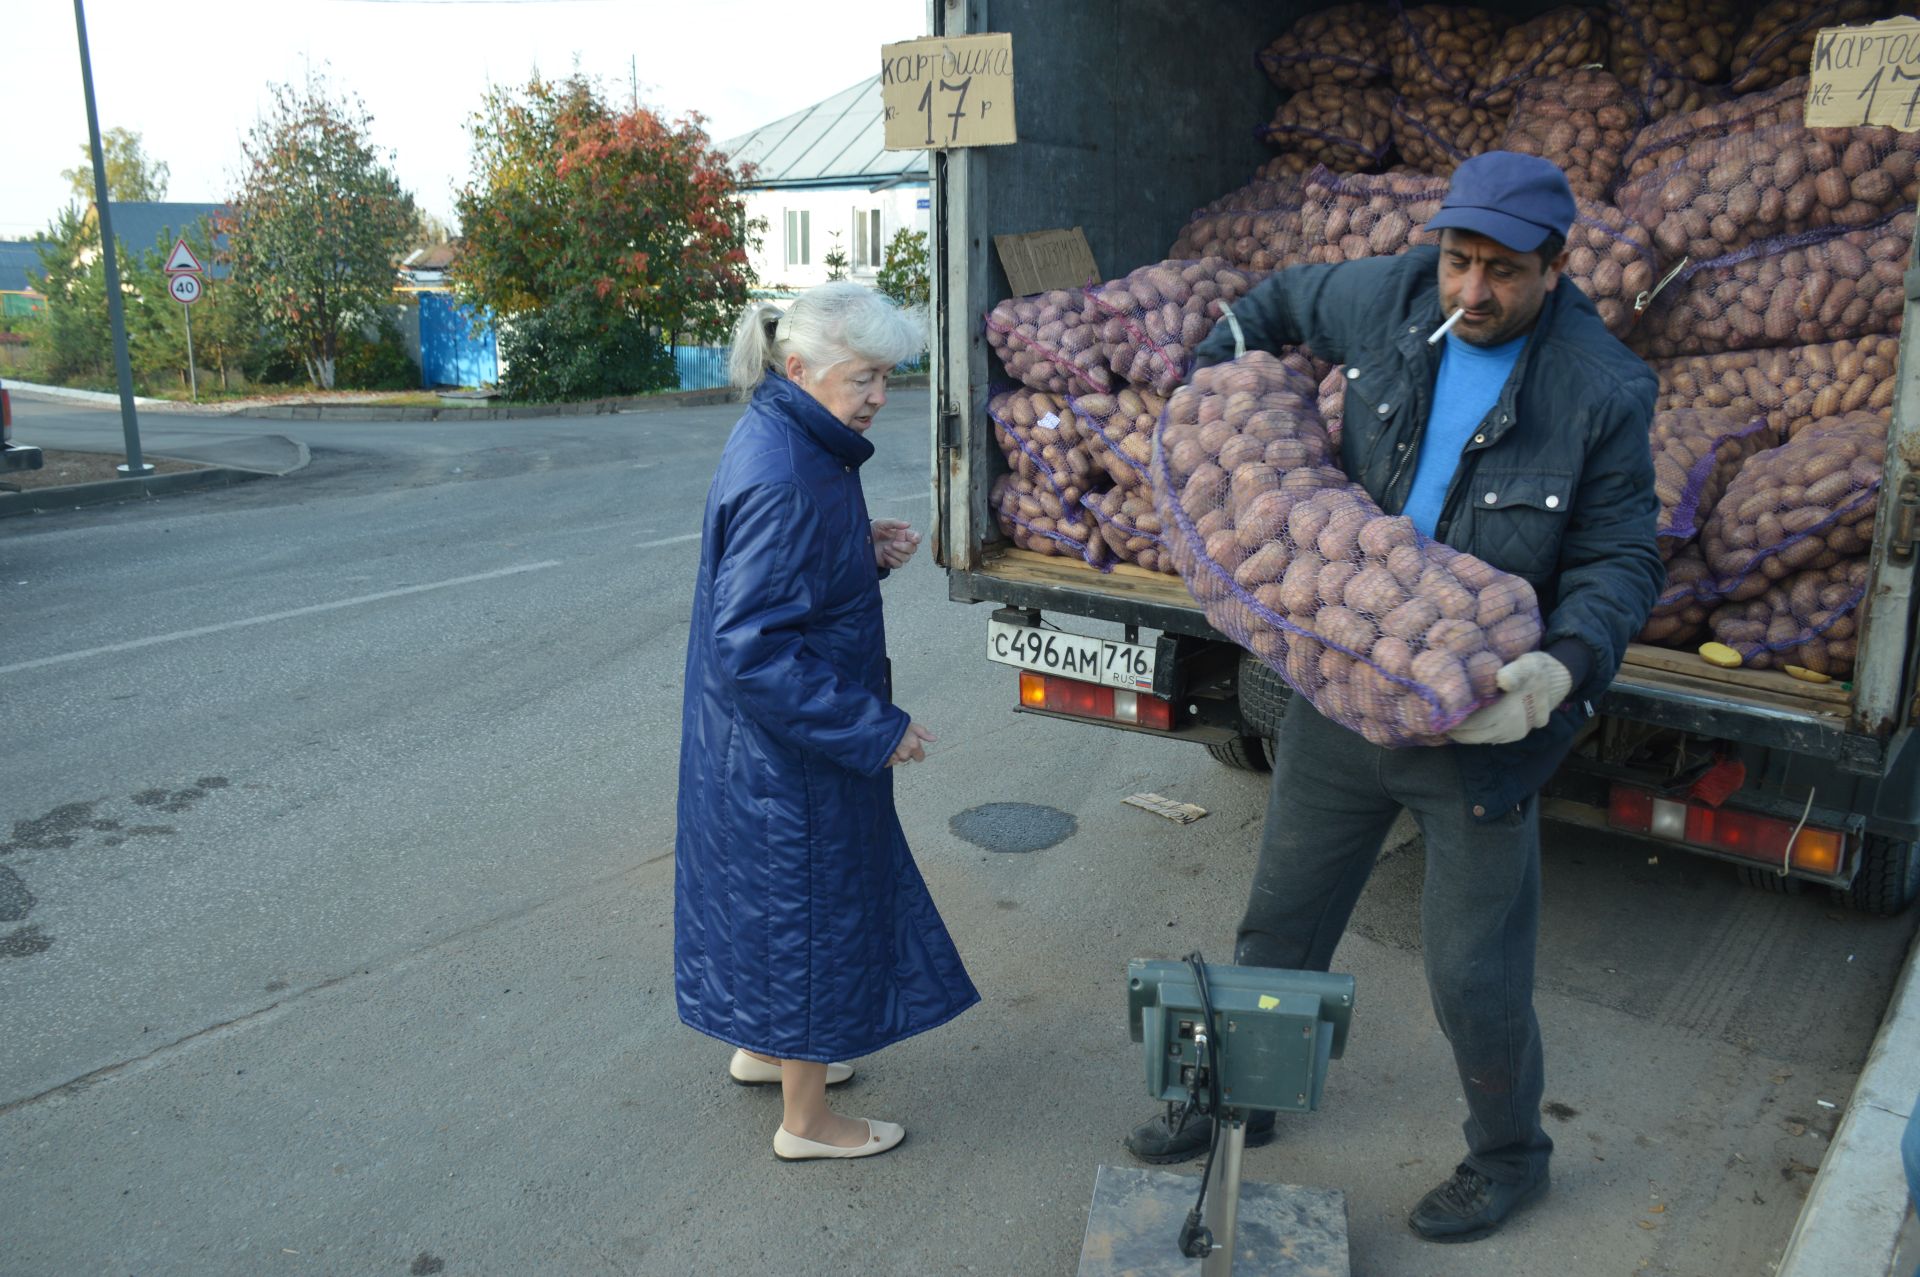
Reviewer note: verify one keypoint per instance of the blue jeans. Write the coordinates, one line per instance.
(1334, 797)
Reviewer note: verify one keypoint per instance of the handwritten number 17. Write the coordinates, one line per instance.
(1870, 92)
(958, 113)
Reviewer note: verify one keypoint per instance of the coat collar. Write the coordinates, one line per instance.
(779, 396)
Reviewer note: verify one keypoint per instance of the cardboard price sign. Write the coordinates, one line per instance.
(948, 91)
(1040, 261)
(1866, 75)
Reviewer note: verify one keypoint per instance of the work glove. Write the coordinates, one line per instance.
(1531, 688)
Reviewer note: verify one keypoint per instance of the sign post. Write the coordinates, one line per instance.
(183, 282)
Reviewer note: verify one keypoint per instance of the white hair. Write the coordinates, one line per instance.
(827, 325)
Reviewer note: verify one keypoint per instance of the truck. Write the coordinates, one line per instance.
(1134, 113)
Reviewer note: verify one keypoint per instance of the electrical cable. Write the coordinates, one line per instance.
(1786, 857)
(1196, 1240)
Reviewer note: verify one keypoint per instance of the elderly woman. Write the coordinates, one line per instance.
(803, 933)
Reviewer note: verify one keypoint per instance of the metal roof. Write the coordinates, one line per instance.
(838, 142)
(141, 227)
(20, 268)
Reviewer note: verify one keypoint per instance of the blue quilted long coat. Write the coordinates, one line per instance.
(802, 928)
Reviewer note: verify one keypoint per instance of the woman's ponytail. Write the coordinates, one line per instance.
(754, 340)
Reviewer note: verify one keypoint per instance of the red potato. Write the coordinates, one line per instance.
(1810, 619)
(1583, 120)
(1791, 387)
(1343, 127)
(1344, 45)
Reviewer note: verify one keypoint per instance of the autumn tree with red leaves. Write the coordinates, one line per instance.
(586, 223)
(318, 223)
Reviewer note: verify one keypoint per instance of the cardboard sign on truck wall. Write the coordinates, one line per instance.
(1866, 75)
(1040, 261)
(948, 91)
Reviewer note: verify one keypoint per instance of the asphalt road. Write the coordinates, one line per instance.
(336, 818)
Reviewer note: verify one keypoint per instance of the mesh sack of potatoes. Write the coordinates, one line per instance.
(1547, 46)
(1696, 453)
(1680, 612)
(1344, 127)
(1441, 50)
(1153, 318)
(1046, 447)
(1806, 504)
(1780, 181)
(1255, 227)
(1390, 634)
(1333, 401)
(1793, 291)
(1140, 328)
(1049, 341)
(1778, 43)
(1130, 528)
(1808, 623)
(1662, 46)
(1119, 428)
(1667, 141)
(1345, 45)
(1583, 120)
(1286, 164)
(1792, 387)
(1344, 218)
(1435, 133)
(1612, 259)
(1022, 516)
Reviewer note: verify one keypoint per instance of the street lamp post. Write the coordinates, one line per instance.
(116, 312)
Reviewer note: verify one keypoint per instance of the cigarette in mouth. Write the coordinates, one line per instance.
(1441, 331)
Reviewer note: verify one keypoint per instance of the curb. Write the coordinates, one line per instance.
(1851, 1223)
(368, 412)
(35, 500)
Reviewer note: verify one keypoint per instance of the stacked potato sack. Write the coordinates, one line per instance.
(1795, 290)
(1782, 181)
(1336, 125)
(1139, 329)
(1613, 261)
(1255, 228)
(1808, 622)
(1779, 44)
(1344, 45)
(1668, 141)
(1789, 387)
(1345, 218)
(1582, 120)
(1668, 51)
(1040, 502)
(1695, 455)
(1680, 613)
(1392, 635)
(1333, 64)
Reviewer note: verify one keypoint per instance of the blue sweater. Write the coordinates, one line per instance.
(1471, 378)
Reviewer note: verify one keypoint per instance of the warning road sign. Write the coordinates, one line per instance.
(181, 260)
(185, 289)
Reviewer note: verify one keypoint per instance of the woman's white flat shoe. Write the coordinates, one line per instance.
(881, 1136)
(751, 1070)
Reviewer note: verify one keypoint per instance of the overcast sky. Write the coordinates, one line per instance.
(191, 76)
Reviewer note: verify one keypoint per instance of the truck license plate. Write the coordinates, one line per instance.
(1091, 660)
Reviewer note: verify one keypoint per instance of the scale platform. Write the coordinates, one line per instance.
(1283, 1230)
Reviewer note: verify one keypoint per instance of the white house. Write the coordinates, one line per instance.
(823, 178)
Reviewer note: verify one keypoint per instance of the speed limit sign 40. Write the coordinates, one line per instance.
(185, 289)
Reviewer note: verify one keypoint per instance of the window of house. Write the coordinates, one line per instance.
(867, 248)
(799, 233)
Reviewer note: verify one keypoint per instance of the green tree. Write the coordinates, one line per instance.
(618, 220)
(131, 174)
(903, 276)
(76, 342)
(835, 258)
(317, 224)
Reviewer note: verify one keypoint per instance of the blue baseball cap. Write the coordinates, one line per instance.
(1513, 199)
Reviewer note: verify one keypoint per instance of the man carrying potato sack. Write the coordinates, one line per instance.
(1485, 401)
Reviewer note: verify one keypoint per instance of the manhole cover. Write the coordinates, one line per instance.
(1013, 827)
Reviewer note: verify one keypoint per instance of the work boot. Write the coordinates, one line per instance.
(1469, 1206)
(1181, 1134)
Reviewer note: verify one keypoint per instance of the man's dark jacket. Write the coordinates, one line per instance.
(1556, 485)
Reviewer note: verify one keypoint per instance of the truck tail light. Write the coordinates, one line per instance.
(1723, 829)
(1090, 700)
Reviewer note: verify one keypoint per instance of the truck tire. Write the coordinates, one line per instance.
(1888, 879)
(1263, 697)
(1769, 881)
(1246, 753)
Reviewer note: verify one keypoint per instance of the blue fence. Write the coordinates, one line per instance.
(451, 354)
(701, 367)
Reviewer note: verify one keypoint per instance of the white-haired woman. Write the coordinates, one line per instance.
(803, 933)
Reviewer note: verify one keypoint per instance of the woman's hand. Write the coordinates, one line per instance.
(911, 748)
(894, 542)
